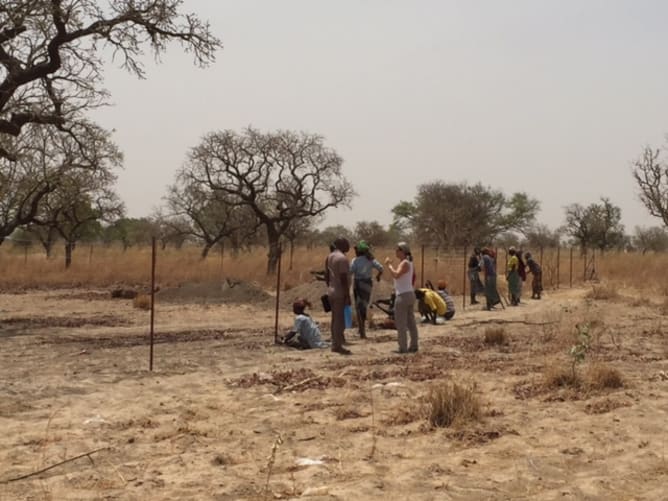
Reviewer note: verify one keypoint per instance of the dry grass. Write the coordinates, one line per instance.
(495, 336)
(664, 307)
(142, 302)
(451, 404)
(603, 292)
(104, 266)
(560, 377)
(602, 377)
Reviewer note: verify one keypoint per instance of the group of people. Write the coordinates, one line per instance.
(435, 306)
(484, 260)
(338, 275)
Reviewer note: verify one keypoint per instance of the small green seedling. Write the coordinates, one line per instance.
(580, 349)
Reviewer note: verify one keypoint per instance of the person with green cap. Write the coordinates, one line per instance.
(362, 271)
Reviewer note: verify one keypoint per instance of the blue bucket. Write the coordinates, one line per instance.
(348, 316)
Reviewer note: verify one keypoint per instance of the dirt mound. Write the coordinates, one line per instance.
(226, 292)
(313, 290)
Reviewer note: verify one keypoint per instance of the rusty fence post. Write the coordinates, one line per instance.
(558, 264)
(153, 259)
(570, 275)
(422, 266)
(278, 293)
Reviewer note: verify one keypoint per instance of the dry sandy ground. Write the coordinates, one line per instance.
(227, 415)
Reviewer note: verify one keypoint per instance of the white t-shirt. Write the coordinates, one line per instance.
(405, 282)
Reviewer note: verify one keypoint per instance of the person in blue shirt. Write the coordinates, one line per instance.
(305, 333)
(361, 270)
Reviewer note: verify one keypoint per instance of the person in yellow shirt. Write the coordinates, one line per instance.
(513, 277)
(430, 305)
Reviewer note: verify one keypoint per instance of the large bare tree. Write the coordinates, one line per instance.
(281, 177)
(50, 63)
(651, 175)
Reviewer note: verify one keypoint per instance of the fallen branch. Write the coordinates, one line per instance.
(296, 385)
(501, 321)
(34, 473)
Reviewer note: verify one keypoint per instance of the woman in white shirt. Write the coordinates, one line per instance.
(404, 305)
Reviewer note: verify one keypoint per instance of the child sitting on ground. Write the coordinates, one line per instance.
(449, 300)
(305, 334)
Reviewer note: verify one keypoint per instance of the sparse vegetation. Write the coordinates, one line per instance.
(602, 377)
(452, 404)
(142, 302)
(495, 336)
(603, 292)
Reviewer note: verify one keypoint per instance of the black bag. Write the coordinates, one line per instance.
(325, 303)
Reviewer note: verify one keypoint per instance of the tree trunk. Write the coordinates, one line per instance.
(69, 247)
(292, 252)
(274, 251)
(206, 249)
(48, 247)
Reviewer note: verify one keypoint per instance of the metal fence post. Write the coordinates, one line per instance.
(153, 259)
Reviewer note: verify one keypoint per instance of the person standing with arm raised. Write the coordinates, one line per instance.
(404, 305)
(338, 291)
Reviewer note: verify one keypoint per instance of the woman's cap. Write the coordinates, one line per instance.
(403, 247)
(362, 246)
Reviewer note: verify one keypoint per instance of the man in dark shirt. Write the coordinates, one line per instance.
(338, 290)
(474, 267)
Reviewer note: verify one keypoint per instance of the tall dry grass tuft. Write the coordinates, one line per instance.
(495, 336)
(603, 292)
(557, 376)
(451, 404)
(601, 377)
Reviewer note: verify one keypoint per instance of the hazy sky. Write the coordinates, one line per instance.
(555, 98)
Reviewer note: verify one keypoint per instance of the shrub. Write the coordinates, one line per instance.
(142, 301)
(600, 377)
(496, 335)
(451, 404)
(603, 292)
(560, 377)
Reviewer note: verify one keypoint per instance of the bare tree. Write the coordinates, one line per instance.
(50, 67)
(82, 196)
(595, 226)
(46, 157)
(651, 175)
(281, 177)
(211, 218)
(650, 239)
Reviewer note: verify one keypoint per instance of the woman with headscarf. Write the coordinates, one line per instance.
(513, 277)
(489, 268)
(362, 270)
(404, 304)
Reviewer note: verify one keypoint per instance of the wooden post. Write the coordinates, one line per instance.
(422, 266)
(558, 264)
(278, 293)
(153, 259)
(570, 275)
(584, 268)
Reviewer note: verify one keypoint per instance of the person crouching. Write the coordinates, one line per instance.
(449, 300)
